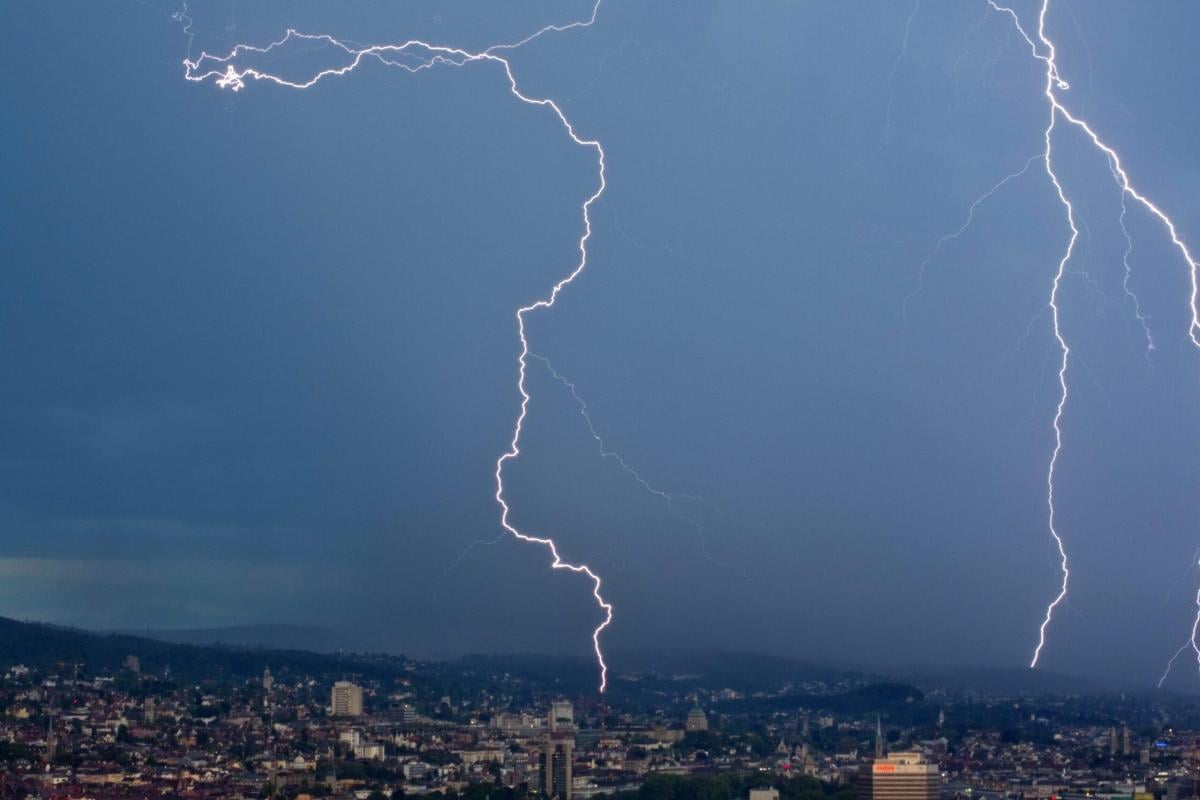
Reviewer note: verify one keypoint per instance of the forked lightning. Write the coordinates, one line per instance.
(414, 56)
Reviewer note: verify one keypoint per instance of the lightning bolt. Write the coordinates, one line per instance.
(1191, 642)
(950, 237)
(887, 124)
(669, 498)
(1043, 49)
(183, 17)
(418, 56)
(1142, 319)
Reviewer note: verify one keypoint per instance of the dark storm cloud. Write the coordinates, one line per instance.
(260, 351)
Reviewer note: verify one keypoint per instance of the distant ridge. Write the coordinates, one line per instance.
(745, 669)
(1005, 680)
(40, 645)
(244, 651)
(286, 637)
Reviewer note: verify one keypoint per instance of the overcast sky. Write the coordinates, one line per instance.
(259, 350)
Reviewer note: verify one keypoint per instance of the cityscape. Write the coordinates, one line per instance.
(199, 722)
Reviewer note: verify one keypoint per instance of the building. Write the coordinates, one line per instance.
(764, 794)
(369, 751)
(1183, 788)
(900, 776)
(267, 681)
(562, 716)
(696, 721)
(558, 752)
(347, 700)
(51, 741)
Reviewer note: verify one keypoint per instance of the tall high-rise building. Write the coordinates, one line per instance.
(347, 700)
(562, 715)
(267, 681)
(900, 776)
(558, 752)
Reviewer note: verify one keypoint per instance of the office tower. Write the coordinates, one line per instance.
(558, 752)
(347, 700)
(900, 776)
(562, 715)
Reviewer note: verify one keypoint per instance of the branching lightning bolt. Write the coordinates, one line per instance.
(1054, 83)
(669, 498)
(183, 17)
(887, 125)
(950, 237)
(1142, 319)
(1191, 642)
(419, 56)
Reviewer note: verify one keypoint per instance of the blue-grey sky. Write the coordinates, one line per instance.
(259, 348)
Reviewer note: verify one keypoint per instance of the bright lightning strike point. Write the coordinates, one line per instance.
(420, 56)
(1046, 53)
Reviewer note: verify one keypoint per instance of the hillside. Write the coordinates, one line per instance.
(39, 645)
